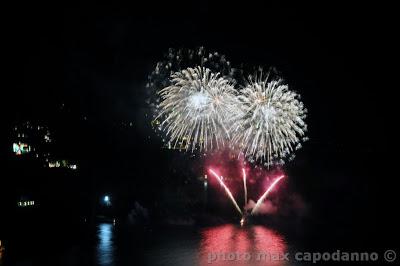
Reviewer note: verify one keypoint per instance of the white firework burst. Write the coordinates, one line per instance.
(269, 122)
(195, 108)
(178, 59)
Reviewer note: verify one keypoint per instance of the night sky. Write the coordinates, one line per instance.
(83, 72)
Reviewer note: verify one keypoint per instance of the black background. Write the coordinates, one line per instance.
(95, 60)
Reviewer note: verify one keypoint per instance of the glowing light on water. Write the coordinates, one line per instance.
(105, 247)
(232, 245)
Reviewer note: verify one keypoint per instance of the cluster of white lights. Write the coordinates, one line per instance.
(63, 164)
(26, 203)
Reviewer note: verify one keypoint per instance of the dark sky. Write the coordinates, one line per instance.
(96, 61)
(98, 57)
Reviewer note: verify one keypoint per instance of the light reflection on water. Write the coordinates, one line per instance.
(176, 246)
(1, 253)
(105, 247)
(233, 245)
(209, 246)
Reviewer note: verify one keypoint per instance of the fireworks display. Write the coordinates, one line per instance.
(262, 198)
(198, 105)
(268, 124)
(195, 109)
(259, 201)
(176, 60)
(228, 192)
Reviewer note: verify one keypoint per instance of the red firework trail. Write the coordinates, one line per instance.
(226, 189)
(258, 204)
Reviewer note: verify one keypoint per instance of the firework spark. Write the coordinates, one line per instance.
(244, 186)
(228, 192)
(195, 109)
(262, 198)
(269, 122)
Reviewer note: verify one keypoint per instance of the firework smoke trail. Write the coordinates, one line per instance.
(195, 109)
(258, 204)
(269, 122)
(245, 186)
(226, 190)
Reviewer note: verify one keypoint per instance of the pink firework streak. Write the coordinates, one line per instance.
(258, 204)
(226, 189)
(245, 186)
